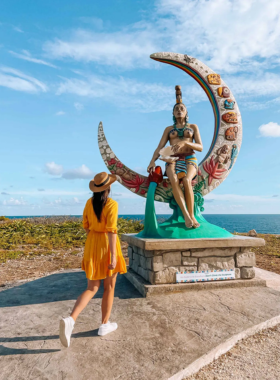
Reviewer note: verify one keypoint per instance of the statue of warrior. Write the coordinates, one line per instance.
(181, 162)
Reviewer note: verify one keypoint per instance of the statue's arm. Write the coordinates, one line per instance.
(161, 145)
(197, 145)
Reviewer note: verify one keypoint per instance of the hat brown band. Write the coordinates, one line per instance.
(102, 183)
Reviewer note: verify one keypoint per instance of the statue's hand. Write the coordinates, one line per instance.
(175, 148)
(151, 167)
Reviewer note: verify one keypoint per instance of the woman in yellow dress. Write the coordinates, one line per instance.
(103, 258)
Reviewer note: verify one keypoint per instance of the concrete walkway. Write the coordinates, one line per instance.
(272, 279)
(157, 337)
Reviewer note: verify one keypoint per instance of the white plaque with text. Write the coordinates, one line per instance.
(207, 275)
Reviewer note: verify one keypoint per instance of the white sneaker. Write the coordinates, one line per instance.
(66, 326)
(107, 328)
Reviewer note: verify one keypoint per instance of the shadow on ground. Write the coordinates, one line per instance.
(59, 287)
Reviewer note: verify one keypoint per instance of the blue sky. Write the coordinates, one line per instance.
(67, 66)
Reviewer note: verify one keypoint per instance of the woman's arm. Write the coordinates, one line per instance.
(113, 248)
(87, 230)
(161, 145)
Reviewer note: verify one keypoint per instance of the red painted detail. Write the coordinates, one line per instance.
(212, 169)
(134, 183)
(112, 162)
(156, 175)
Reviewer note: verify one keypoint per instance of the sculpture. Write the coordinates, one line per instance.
(181, 163)
(212, 170)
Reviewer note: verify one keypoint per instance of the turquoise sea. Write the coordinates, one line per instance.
(265, 224)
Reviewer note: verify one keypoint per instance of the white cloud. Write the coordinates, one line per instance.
(17, 80)
(63, 202)
(17, 29)
(53, 169)
(78, 106)
(82, 172)
(270, 129)
(27, 57)
(123, 48)
(125, 92)
(60, 113)
(15, 202)
(229, 35)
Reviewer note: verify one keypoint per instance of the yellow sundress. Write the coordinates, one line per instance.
(97, 254)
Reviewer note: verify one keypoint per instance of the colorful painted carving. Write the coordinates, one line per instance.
(231, 133)
(211, 167)
(234, 153)
(229, 104)
(230, 117)
(214, 79)
(223, 156)
(223, 92)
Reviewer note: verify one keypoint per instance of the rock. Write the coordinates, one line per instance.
(186, 253)
(247, 272)
(245, 259)
(143, 262)
(140, 251)
(136, 258)
(221, 252)
(252, 233)
(166, 276)
(148, 253)
(129, 252)
(143, 273)
(237, 273)
(151, 276)
(149, 264)
(134, 266)
(157, 263)
(171, 258)
(134, 253)
(188, 268)
(211, 263)
(189, 261)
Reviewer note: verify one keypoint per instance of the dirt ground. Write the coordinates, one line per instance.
(38, 266)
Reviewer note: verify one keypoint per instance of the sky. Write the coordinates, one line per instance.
(65, 66)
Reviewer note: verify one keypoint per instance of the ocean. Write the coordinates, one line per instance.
(262, 223)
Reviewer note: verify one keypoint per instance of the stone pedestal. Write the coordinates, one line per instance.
(158, 260)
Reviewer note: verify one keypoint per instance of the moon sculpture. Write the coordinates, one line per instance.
(225, 146)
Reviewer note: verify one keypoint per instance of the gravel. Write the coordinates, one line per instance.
(257, 357)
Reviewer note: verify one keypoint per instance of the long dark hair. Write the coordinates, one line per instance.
(99, 201)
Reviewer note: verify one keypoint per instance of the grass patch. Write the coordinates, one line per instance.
(39, 236)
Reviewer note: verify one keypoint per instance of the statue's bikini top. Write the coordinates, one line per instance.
(180, 131)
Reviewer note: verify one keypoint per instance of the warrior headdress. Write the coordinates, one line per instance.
(179, 100)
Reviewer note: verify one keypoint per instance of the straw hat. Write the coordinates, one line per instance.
(101, 182)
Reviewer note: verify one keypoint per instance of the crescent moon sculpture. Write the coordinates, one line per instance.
(225, 146)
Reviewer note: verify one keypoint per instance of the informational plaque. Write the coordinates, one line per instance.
(207, 275)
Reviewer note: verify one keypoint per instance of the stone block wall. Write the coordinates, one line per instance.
(160, 267)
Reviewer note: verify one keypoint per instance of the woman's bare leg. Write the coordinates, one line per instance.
(108, 297)
(178, 194)
(189, 196)
(85, 297)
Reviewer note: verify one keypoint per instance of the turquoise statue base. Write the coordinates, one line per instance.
(174, 227)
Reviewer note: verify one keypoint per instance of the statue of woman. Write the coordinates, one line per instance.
(181, 163)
